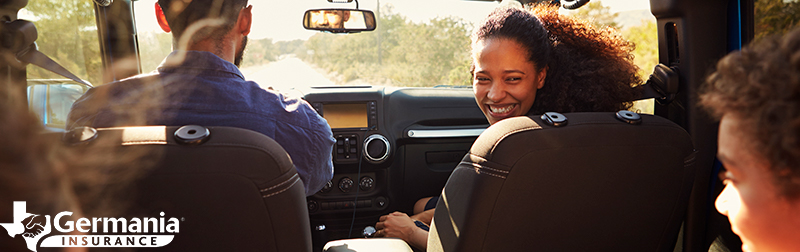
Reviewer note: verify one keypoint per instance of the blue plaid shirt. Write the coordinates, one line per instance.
(204, 89)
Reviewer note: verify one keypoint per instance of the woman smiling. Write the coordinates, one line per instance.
(527, 62)
(531, 62)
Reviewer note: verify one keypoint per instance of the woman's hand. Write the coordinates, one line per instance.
(401, 226)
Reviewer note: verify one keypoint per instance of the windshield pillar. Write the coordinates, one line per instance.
(118, 43)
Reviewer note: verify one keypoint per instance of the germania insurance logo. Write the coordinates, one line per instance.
(117, 232)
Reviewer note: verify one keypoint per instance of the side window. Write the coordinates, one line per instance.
(68, 34)
(775, 17)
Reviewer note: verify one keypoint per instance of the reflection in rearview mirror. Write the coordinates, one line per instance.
(339, 20)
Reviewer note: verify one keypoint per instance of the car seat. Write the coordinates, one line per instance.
(571, 182)
(231, 189)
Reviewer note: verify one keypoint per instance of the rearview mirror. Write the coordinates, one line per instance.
(339, 20)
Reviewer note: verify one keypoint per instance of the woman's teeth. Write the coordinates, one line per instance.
(501, 110)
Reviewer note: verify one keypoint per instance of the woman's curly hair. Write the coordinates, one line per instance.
(588, 69)
(760, 86)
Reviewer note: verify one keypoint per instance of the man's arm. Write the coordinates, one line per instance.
(83, 111)
(310, 148)
(425, 216)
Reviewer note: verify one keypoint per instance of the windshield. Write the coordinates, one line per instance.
(417, 43)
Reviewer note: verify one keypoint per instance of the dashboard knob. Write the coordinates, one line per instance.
(345, 184)
(376, 148)
(366, 183)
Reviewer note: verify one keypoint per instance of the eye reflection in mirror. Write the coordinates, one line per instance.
(339, 20)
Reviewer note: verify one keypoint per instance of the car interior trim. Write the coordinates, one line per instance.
(280, 184)
(483, 170)
(284, 189)
(445, 133)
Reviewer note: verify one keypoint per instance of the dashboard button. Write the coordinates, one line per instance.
(381, 201)
(347, 204)
(312, 206)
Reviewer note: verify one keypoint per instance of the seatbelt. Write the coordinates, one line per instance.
(21, 41)
(662, 85)
(37, 58)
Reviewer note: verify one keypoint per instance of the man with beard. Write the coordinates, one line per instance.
(200, 83)
(332, 19)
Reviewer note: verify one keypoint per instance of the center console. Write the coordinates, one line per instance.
(393, 147)
(361, 158)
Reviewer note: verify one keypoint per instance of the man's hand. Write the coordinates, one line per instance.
(395, 224)
(401, 226)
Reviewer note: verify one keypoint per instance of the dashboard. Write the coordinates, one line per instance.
(393, 147)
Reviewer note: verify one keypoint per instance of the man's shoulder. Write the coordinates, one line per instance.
(132, 82)
(101, 97)
(275, 100)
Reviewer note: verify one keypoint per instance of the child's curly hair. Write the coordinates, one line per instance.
(760, 86)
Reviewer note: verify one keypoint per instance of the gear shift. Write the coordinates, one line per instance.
(368, 232)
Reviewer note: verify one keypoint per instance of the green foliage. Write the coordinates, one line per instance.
(600, 15)
(153, 48)
(68, 34)
(263, 51)
(296, 47)
(775, 17)
(645, 36)
(399, 52)
(259, 52)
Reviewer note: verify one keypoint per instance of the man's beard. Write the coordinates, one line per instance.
(238, 59)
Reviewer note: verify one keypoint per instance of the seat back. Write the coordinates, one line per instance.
(594, 184)
(232, 190)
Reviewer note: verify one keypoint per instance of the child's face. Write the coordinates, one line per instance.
(758, 214)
